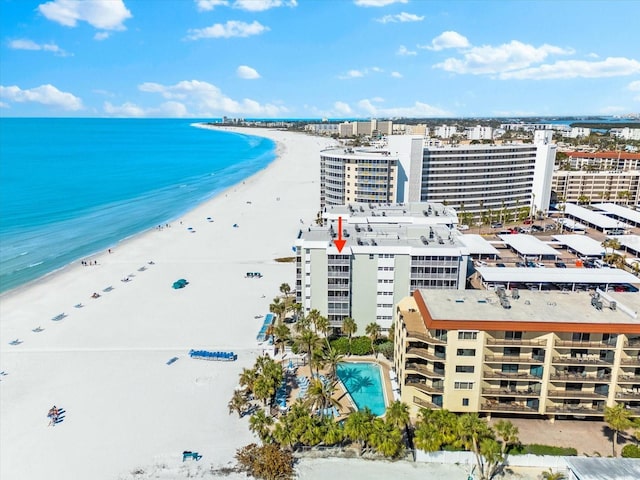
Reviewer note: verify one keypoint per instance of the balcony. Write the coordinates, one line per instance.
(575, 394)
(584, 360)
(628, 378)
(509, 376)
(423, 387)
(424, 353)
(426, 338)
(424, 370)
(506, 392)
(425, 404)
(575, 409)
(632, 343)
(586, 344)
(512, 359)
(507, 407)
(630, 361)
(580, 377)
(510, 342)
(629, 394)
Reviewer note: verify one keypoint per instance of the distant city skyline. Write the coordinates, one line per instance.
(319, 59)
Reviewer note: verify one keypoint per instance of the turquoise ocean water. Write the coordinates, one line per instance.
(73, 187)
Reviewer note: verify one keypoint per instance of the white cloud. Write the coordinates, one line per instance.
(45, 94)
(418, 109)
(610, 67)
(342, 108)
(247, 73)
(208, 5)
(612, 109)
(261, 5)
(396, 74)
(205, 97)
(352, 74)
(634, 86)
(99, 36)
(103, 14)
(447, 40)
(377, 3)
(125, 110)
(400, 18)
(593, 55)
(26, 44)
(232, 28)
(4, 105)
(511, 56)
(404, 51)
(376, 69)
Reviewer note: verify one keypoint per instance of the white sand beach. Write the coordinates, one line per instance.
(105, 362)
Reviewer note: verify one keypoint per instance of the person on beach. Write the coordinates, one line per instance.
(53, 416)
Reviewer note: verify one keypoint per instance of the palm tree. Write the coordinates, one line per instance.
(238, 403)
(397, 414)
(281, 334)
(373, 332)
(260, 424)
(279, 308)
(322, 326)
(308, 342)
(331, 359)
(475, 434)
(358, 427)
(618, 419)
(385, 438)
(349, 327)
(320, 396)
(247, 378)
(550, 475)
(285, 289)
(435, 429)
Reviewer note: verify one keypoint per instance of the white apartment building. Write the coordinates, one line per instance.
(576, 132)
(323, 128)
(574, 186)
(347, 129)
(391, 250)
(473, 179)
(626, 133)
(480, 132)
(614, 160)
(445, 131)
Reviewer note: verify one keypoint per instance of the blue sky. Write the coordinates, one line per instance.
(318, 58)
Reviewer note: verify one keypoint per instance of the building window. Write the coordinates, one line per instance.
(467, 335)
(371, 256)
(465, 402)
(466, 352)
(513, 335)
(463, 385)
(465, 368)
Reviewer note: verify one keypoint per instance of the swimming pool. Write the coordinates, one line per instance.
(363, 381)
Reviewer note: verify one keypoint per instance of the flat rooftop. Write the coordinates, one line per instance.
(388, 235)
(414, 212)
(528, 245)
(478, 245)
(598, 276)
(581, 244)
(557, 307)
(593, 218)
(619, 210)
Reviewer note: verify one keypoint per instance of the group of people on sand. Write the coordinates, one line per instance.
(88, 263)
(53, 415)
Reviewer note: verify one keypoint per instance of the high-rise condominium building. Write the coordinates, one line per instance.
(519, 353)
(473, 179)
(391, 250)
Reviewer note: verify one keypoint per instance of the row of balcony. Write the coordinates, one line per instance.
(606, 345)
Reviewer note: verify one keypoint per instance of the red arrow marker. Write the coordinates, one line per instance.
(339, 243)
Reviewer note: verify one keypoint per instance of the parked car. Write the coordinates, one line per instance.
(528, 221)
(540, 265)
(462, 227)
(561, 265)
(537, 228)
(531, 264)
(496, 225)
(520, 264)
(501, 265)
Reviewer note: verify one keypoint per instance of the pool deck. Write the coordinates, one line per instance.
(347, 404)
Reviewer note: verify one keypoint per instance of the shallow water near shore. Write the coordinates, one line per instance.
(73, 187)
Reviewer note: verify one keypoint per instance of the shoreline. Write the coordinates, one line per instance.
(244, 131)
(106, 361)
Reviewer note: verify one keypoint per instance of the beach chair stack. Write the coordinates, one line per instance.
(281, 394)
(207, 355)
(303, 382)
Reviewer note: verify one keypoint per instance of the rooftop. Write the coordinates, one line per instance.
(528, 245)
(415, 212)
(597, 276)
(556, 307)
(594, 218)
(619, 210)
(599, 468)
(581, 244)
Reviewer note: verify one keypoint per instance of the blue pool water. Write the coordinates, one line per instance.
(363, 381)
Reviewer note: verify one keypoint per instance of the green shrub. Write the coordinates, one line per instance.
(536, 449)
(360, 346)
(386, 349)
(631, 451)
(340, 345)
